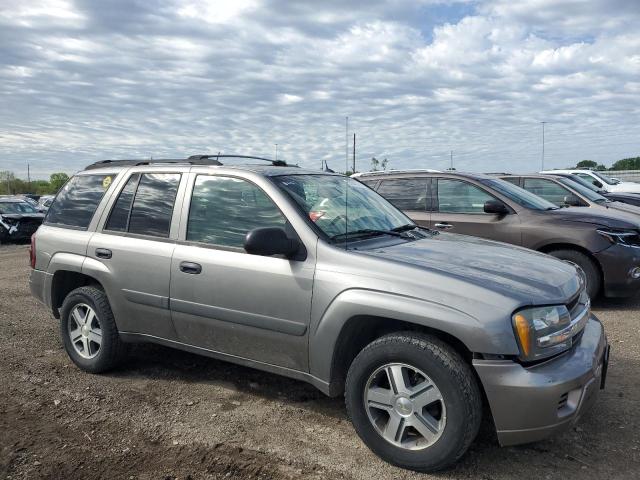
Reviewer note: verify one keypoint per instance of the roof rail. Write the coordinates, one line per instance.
(388, 172)
(192, 160)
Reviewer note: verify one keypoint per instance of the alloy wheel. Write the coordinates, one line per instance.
(84, 330)
(405, 406)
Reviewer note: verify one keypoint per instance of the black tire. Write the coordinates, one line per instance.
(112, 350)
(588, 266)
(452, 376)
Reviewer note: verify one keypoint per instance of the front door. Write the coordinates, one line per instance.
(227, 300)
(460, 209)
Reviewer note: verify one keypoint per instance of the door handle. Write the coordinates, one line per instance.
(443, 226)
(190, 267)
(103, 253)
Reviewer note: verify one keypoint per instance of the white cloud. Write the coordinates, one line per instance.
(87, 80)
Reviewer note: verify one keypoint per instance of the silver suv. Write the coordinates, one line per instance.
(316, 277)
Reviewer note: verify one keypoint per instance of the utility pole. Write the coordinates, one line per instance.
(29, 178)
(354, 154)
(543, 123)
(346, 146)
(276, 152)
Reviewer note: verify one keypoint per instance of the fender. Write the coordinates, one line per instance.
(71, 262)
(477, 336)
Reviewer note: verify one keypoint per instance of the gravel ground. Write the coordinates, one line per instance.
(170, 414)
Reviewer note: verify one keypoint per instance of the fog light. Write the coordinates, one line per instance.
(634, 272)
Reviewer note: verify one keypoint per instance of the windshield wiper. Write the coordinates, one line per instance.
(404, 228)
(367, 231)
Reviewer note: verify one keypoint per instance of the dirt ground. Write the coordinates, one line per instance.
(170, 414)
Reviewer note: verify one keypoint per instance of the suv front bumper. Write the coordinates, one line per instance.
(530, 404)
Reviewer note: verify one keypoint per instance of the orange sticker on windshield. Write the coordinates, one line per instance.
(314, 216)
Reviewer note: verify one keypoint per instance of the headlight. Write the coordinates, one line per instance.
(629, 238)
(546, 331)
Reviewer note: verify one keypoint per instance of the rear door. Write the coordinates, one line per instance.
(411, 195)
(459, 208)
(229, 301)
(131, 252)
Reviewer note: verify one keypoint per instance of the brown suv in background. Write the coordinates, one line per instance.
(604, 243)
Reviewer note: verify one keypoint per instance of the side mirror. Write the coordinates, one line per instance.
(598, 183)
(572, 201)
(495, 206)
(270, 241)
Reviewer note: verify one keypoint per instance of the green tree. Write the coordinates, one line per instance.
(57, 180)
(384, 163)
(375, 164)
(587, 164)
(627, 164)
(7, 179)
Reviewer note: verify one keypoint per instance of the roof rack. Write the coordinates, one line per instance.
(388, 172)
(192, 160)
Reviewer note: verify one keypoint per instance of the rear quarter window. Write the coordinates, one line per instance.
(77, 201)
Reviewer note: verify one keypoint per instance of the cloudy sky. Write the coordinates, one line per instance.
(82, 80)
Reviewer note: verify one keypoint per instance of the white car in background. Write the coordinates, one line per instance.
(601, 181)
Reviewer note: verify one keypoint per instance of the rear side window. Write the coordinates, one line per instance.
(406, 193)
(78, 200)
(145, 205)
(514, 180)
(119, 218)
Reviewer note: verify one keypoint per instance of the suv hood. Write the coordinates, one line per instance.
(612, 217)
(516, 272)
(628, 187)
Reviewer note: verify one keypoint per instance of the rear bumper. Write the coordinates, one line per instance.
(530, 404)
(617, 261)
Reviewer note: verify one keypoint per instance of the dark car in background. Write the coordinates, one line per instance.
(18, 219)
(630, 198)
(566, 192)
(605, 244)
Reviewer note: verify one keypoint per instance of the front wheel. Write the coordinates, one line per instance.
(592, 274)
(414, 401)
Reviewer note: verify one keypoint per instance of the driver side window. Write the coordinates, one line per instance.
(224, 209)
(456, 196)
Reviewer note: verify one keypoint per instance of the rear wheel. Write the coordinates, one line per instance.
(89, 331)
(414, 401)
(588, 266)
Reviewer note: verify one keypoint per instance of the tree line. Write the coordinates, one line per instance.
(11, 185)
(632, 163)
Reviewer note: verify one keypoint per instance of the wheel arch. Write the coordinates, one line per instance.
(65, 281)
(572, 246)
(360, 330)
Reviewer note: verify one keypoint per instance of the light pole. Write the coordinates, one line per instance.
(276, 152)
(543, 124)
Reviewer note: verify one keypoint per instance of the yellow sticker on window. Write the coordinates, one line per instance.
(106, 182)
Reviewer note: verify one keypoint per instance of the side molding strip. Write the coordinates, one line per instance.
(243, 318)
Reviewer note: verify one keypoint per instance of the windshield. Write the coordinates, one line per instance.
(9, 208)
(340, 205)
(519, 195)
(587, 192)
(575, 178)
(605, 179)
